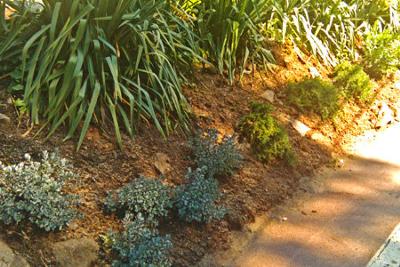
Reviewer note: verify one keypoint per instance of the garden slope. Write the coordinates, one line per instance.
(254, 190)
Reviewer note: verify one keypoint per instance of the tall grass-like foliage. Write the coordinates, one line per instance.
(330, 29)
(10, 31)
(100, 61)
(230, 33)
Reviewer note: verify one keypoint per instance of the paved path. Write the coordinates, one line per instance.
(343, 221)
(389, 254)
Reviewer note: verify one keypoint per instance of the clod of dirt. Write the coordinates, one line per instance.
(161, 163)
(9, 258)
(236, 222)
(385, 115)
(321, 139)
(76, 252)
(4, 119)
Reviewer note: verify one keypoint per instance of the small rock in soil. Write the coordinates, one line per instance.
(4, 119)
(340, 163)
(76, 252)
(161, 163)
(269, 95)
(300, 127)
(235, 222)
(397, 75)
(396, 111)
(314, 72)
(9, 259)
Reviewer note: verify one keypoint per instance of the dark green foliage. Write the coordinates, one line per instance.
(196, 200)
(141, 246)
(230, 33)
(220, 158)
(10, 30)
(314, 95)
(34, 191)
(267, 137)
(353, 81)
(382, 53)
(100, 61)
(144, 196)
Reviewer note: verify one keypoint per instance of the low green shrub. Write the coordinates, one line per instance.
(34, 192)
(314, 95)
(267, 137)
(382, 53)
(220, 158)
(139, 245)
(354, 82)
(144, 196)
(196, 200)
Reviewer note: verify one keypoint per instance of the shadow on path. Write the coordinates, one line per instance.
(343, 218)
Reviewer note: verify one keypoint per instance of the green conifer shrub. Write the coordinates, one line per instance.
(268, 139)
(353, 81)
(314, 96)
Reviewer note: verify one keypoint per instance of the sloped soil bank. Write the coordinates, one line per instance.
(255, 189)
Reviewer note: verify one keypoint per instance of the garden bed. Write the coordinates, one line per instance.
(254, 190)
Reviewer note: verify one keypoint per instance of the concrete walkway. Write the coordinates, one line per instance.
(389, 254)
(344, 218)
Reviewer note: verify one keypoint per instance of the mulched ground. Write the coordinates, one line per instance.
(255, 189)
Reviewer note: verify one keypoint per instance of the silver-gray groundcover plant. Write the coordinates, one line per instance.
(33, 192)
